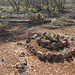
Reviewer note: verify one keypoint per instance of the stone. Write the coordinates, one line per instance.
(54, 56)
(21, 54)
(20, 65)
(64, 43)
(72, 52)
(39, 53)
(27, 41)
(52, 35)
(38, 40)
(28, 45)
(72, 39)
(60, 45)
(15, 73)
(44, 33)
(19, 43)
(65, 33)
(3, 59)
(59, 56)
(66, 54)
(55, 45)
(48, 55)
(33, 50)
(34, 36)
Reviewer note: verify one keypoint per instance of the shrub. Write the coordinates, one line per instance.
(23, 10)
(3, 17)
(56, 12)
(64, 19)
(31, 9)
(40, 13)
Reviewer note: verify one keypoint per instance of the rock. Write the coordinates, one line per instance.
(52, 35)
(48, 55)
(39, 53)
(72, 39)
(15, 73)
(60, 45)
(27, 41)
(64, 43)
(44, 33)
(19, 43)
(38, 40)
(21, 54)
(59, 56)
(65, 33)
(54, 56)
(55, 45)
(20, 65)
(44, 43)
(65, 54)
(33, 50)
(3, 59)
(34, 36)
(72, 52)
(43, 55)
(28, 45)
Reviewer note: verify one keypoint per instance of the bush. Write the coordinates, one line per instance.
(31, 9)
(3, 17)
(64, 19)
(23, 10)
(40, 13)
(56, 12)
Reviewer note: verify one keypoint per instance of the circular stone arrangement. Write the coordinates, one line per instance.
(52, 42)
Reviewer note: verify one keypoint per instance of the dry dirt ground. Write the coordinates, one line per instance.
(9, 50)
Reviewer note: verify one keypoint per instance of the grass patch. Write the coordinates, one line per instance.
(3, 17)
(40, 13)
(64, 19)
(31, 9)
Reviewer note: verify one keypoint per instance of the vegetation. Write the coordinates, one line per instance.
(64, 19)
(3, 17)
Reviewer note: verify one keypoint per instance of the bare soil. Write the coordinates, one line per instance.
(9, 50)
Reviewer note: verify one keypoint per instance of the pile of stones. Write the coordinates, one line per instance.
(38, 19)
(51, 41)
(21, 65)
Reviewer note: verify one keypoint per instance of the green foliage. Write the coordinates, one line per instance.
(64, 19)
(49, 35)
(31, 9)
(40, 13)
(23, 10)
(3, 17)
(56, 12)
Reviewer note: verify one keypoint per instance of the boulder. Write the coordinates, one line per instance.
(48, 55)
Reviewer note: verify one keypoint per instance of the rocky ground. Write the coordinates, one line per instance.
(9, 49)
